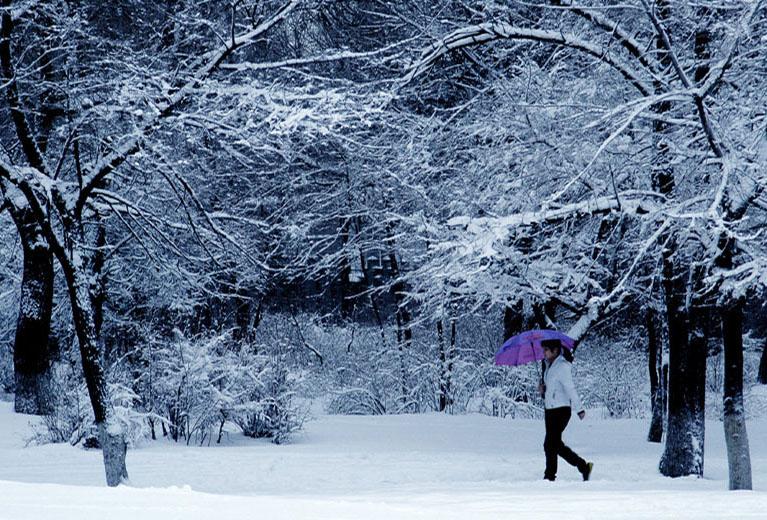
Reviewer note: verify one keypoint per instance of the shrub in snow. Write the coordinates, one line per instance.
(754, 394)
(72, 417)
(269, 410)
(348, 362)
(614, 379)
(194, 387)
(6, 366)
(366, 372)
(72, 420)
(510, 392)
(356, 401)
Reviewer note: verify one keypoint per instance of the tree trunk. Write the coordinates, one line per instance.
(762, 376)
(373, 302)
(683, 453)
(513, 320)
(31, 349)
(98, 289)
(656, 381)
(699, 316)
(446, 356)
(31, 345)
(443, 397)
(404, 330)
(344, 277)
(111, 437)
(736, 437)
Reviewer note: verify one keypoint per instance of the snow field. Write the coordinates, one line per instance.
(429, 466)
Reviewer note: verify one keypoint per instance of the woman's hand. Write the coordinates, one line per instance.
(542, 389)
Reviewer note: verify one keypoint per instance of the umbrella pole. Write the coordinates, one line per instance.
(540, 368)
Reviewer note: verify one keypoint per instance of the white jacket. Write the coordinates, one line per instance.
(560, 390)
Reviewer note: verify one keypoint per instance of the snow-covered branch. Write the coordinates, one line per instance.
(488, 32)
(627, 204)
(206, 65)
(729, 49)
(614, 29)
(311, 60)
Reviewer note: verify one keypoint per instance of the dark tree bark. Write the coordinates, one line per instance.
(657, 387)
(699, 317)
(344, 276)
(31, 345)
(683, 452)
(402, 316)
(762, 376)
(735, 434)
(98, 289)
(446, 357)
(373, 301)
(513, 320)
(111, 436)
(31, 350)
(241, 316)
(736, 437)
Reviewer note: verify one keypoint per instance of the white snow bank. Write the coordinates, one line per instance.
(394, 467)
(541, 502)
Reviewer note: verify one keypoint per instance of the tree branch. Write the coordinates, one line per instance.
(23, 130)
(629, 206)
(295, 62)
(206, 65)
(702, 115)
(487, 32)
(613, 28)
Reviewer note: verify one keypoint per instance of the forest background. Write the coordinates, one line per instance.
(214, 210)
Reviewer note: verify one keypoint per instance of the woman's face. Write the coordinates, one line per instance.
(550, 353)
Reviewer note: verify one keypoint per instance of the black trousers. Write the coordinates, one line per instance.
(553, 447)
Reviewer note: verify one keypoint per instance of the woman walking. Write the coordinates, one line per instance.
(559, 401)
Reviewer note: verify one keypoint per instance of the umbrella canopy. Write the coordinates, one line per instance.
(526, 347)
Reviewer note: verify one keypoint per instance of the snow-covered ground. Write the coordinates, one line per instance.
(430, 466)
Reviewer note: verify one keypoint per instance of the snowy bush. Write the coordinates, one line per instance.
(6, 367)
(193, 387)
(511, 392)
(614, 380)
(350, 364)
(370, 379)
(755, 397)
(72, 417)
(364, 373)
(267, 407)
(72, 420)
(10, 280)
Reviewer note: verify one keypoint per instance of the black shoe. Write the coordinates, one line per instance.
(550, 479)
(586, 472)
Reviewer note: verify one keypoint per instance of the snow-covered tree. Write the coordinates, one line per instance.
(698, 166)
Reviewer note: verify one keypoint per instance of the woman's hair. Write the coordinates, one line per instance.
(552, 344)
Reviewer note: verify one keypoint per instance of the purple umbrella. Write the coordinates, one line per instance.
(526, 347)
